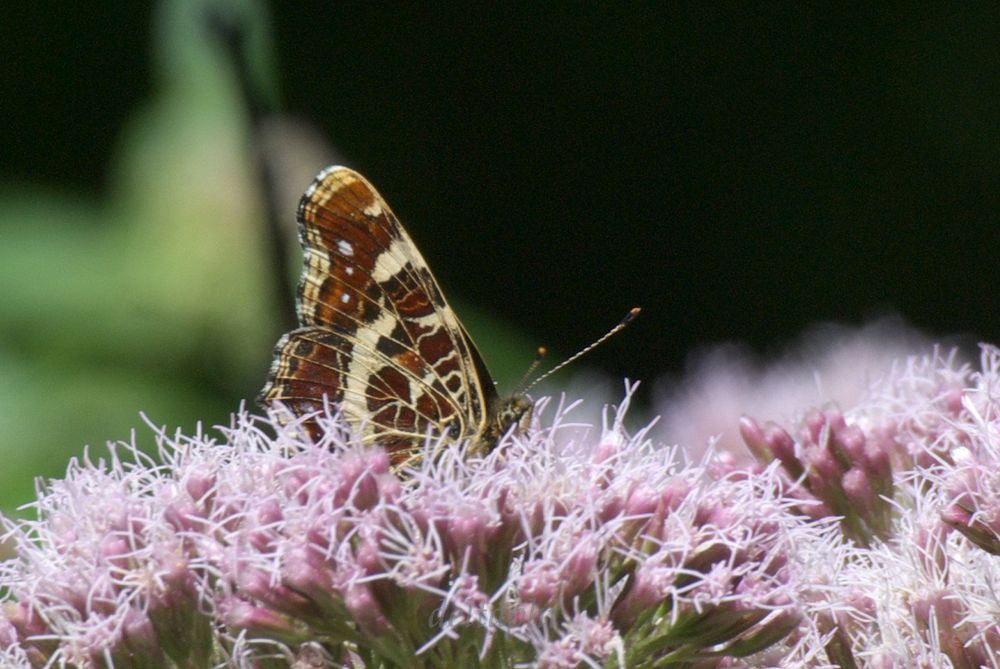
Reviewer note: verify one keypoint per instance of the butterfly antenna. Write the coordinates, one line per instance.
(629, 317)
(542, 351)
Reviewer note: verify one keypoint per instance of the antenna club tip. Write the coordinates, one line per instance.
(542, 352)
(632, 314)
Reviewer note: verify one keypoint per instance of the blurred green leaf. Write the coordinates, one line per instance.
(157, 300)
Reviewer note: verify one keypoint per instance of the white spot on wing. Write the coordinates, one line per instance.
(345, 248)
(345, 298)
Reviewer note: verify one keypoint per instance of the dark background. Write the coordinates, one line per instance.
(740, 173)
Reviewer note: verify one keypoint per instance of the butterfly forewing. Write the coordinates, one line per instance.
(377, 337)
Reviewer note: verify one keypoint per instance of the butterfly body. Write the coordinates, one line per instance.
(376, 337)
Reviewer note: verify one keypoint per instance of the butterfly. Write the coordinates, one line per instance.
(376, 336)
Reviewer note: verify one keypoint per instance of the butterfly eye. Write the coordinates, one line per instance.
(454, 430)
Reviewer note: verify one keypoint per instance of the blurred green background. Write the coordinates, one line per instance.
(738, 172)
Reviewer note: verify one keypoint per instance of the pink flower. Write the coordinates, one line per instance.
(864, 536)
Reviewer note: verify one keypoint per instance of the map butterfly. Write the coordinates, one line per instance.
(376, 336)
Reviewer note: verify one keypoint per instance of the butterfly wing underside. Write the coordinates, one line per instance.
(376, 336)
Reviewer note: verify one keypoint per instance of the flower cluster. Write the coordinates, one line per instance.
(563, 548)
(866, 537)
(913, 478)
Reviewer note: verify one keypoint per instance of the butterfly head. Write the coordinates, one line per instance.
(514, 412)
(511, 414)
